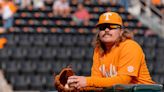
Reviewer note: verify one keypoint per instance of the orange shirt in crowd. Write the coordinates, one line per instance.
(156, 2)
(116, 66)
(2, 42)
(8, 9)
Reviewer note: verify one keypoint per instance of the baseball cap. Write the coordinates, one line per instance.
(110, 18)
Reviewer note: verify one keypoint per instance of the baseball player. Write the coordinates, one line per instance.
(117, 58)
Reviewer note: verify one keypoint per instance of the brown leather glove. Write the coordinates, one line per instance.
(61, 80)
(62, 86)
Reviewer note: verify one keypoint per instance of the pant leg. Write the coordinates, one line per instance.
(8, 23)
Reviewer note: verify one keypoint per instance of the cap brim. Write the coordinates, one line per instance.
(97, 25)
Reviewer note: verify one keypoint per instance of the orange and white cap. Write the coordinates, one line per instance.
(111, 18)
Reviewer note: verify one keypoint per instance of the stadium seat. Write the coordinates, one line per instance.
(10, 67)
(159, 54)
(150, 65)
(80, 40)
(39, 40)
(27, 67)
(37, 82)
(150, 42)
(5, 53)
(24, 40)
(53, 40)
(18, 53)
(158, 78)
(63, 53)
(19, 82)
(87, 69)
(33, 53)
(149, 53)
(89, 53)
(77, 53)
(50, 82)
(48, 53)
(43, 67)
(57, 66)
(76, 66)
(159, 67)
(139, 39)
(66, 40)
(160, 43)
(12, 40)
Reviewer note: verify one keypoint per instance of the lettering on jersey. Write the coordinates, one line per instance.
(111, 73)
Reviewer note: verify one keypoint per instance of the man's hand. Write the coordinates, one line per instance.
(77, 81)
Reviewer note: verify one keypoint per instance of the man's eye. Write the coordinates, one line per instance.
(101, 28)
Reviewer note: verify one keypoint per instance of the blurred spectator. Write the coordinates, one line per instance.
(134, 7)
(38, 4)
(25, 3)
(61, 8)
(74, 2)
(100, 2)
(115, 2)
(87, 2)
(81, 15)
(112, 2)
(105, 1)
(4, 86)
(8, 9)
(124, 3)
(17, 2)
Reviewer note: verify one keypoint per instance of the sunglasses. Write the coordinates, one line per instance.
(103, 27)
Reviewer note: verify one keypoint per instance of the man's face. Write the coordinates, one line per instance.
(109, 33)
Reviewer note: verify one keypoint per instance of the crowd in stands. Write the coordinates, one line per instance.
(67, 8)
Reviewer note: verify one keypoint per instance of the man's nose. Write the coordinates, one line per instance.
(107, 29)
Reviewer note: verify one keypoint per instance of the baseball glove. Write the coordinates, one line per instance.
(61, 80)
(62, 86)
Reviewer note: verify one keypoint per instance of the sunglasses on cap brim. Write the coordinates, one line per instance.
(109, 26)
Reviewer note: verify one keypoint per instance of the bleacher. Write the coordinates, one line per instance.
(40, 45)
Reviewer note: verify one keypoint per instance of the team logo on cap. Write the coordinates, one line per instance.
(107, 16)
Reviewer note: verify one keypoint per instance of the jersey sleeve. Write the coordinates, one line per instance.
(130, 59)
(107, 82)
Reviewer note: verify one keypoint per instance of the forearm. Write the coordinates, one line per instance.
(108, 82)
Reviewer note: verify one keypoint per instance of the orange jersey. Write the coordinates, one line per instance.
(127, 59)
